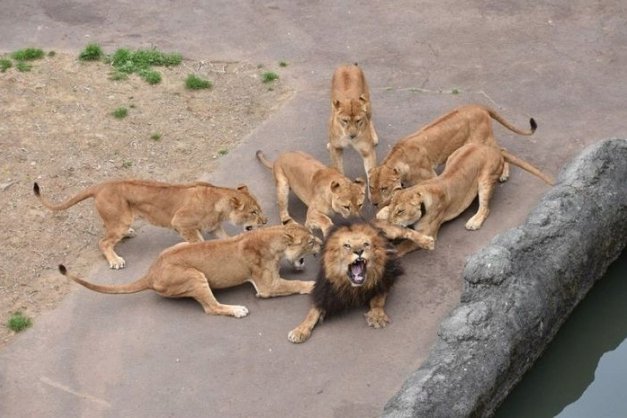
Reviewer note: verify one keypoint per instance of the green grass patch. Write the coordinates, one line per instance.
(194, 82)
(455, 91)
(156, 136)
(5, 64)
(27, 54)
(223, 151)
(120, 113)
(283, 64)
(23, 66)
(19, 322)
(127, 164)
(52, 53)
(92, 52)
(150, 76)
(269, 76)
(117, 76)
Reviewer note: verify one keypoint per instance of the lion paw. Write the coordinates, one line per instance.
(239, 311)
(474, 223)
(308, 287)
(298, 336)
(130, 233)
(377, 319)
(429, 243)
(118, 263)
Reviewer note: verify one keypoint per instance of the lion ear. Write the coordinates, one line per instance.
(335, 185)
(336, 104)
(396, 170)
(359, 181)
(242, 188)
(363, 99)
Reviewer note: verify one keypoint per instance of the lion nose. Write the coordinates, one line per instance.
(359, 252)
(353, 136)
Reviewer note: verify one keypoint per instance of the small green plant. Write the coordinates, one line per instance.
(127, 164)
(120, 113)
(194, 82)
(92, 52)
(455, 91)
(269, 76)
(27, 54)
(223, 151)
(282, 64)
(5, 64)
(23, 66)
(150, 76)
(19, 322)
(52, 53)
(117, 76)
(156, 136)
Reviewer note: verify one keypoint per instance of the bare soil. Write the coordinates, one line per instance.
(57, 128)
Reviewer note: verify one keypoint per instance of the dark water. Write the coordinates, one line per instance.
(583, 372)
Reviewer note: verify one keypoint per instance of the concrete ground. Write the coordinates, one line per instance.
(141, 355)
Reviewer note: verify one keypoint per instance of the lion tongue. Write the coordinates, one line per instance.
(357, 272)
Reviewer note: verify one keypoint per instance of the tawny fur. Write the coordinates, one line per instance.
(187, 208)
(334, 292)
(414, 158)
(472, 170)
(194, 269)
(324, 190)
(350, 123)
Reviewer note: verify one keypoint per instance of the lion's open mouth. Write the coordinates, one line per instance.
(357, 272)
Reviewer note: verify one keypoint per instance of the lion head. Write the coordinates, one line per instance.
(355, 255)
(300, 242)
(406, 208)
(245, 210)
(347, 197)
(350, 117)
(384, 181)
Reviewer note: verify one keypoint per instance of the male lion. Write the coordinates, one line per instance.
(193, 269)
(414, 158)
(187, 208)
(472, 170)
(324, 190)
(358, 266)
(351, 117)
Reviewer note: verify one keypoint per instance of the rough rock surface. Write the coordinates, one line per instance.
(520, 289)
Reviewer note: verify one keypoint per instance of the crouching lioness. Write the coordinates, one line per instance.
(187, 208)
(193, 269)
(472, 170)
(324, 190)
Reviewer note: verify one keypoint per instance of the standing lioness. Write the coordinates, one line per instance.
(324, 190)
(415, 157)
(193, 269)
(351, 117)
(187, 208)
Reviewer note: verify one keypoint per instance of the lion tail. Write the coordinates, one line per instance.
(500, 119)
(134, 287)
(89, 192)
(262, 158)
(518, 162)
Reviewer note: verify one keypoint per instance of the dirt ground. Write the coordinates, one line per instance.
(57, 128)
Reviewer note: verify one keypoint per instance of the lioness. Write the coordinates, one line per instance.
(351, 118)
(358, 266)
(324, 190)
(414, 158)
(187, 208)
(193, 269)
(472, 170)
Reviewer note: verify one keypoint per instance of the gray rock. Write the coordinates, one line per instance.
(521, 288)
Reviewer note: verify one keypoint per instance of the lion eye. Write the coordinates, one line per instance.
(366, 245)
(347, 246)
(384, 189)
(347, 207)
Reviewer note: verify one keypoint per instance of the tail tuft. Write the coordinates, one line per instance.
(533, 124)
(62, 269)
(36, 189)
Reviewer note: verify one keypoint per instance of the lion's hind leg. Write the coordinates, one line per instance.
(193, 283)
(117, 218)
(486, 189)
(301, 333)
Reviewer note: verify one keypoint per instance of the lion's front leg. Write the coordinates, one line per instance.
(270, 284)
(301, 333)
(318, 220)
(376, 316)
